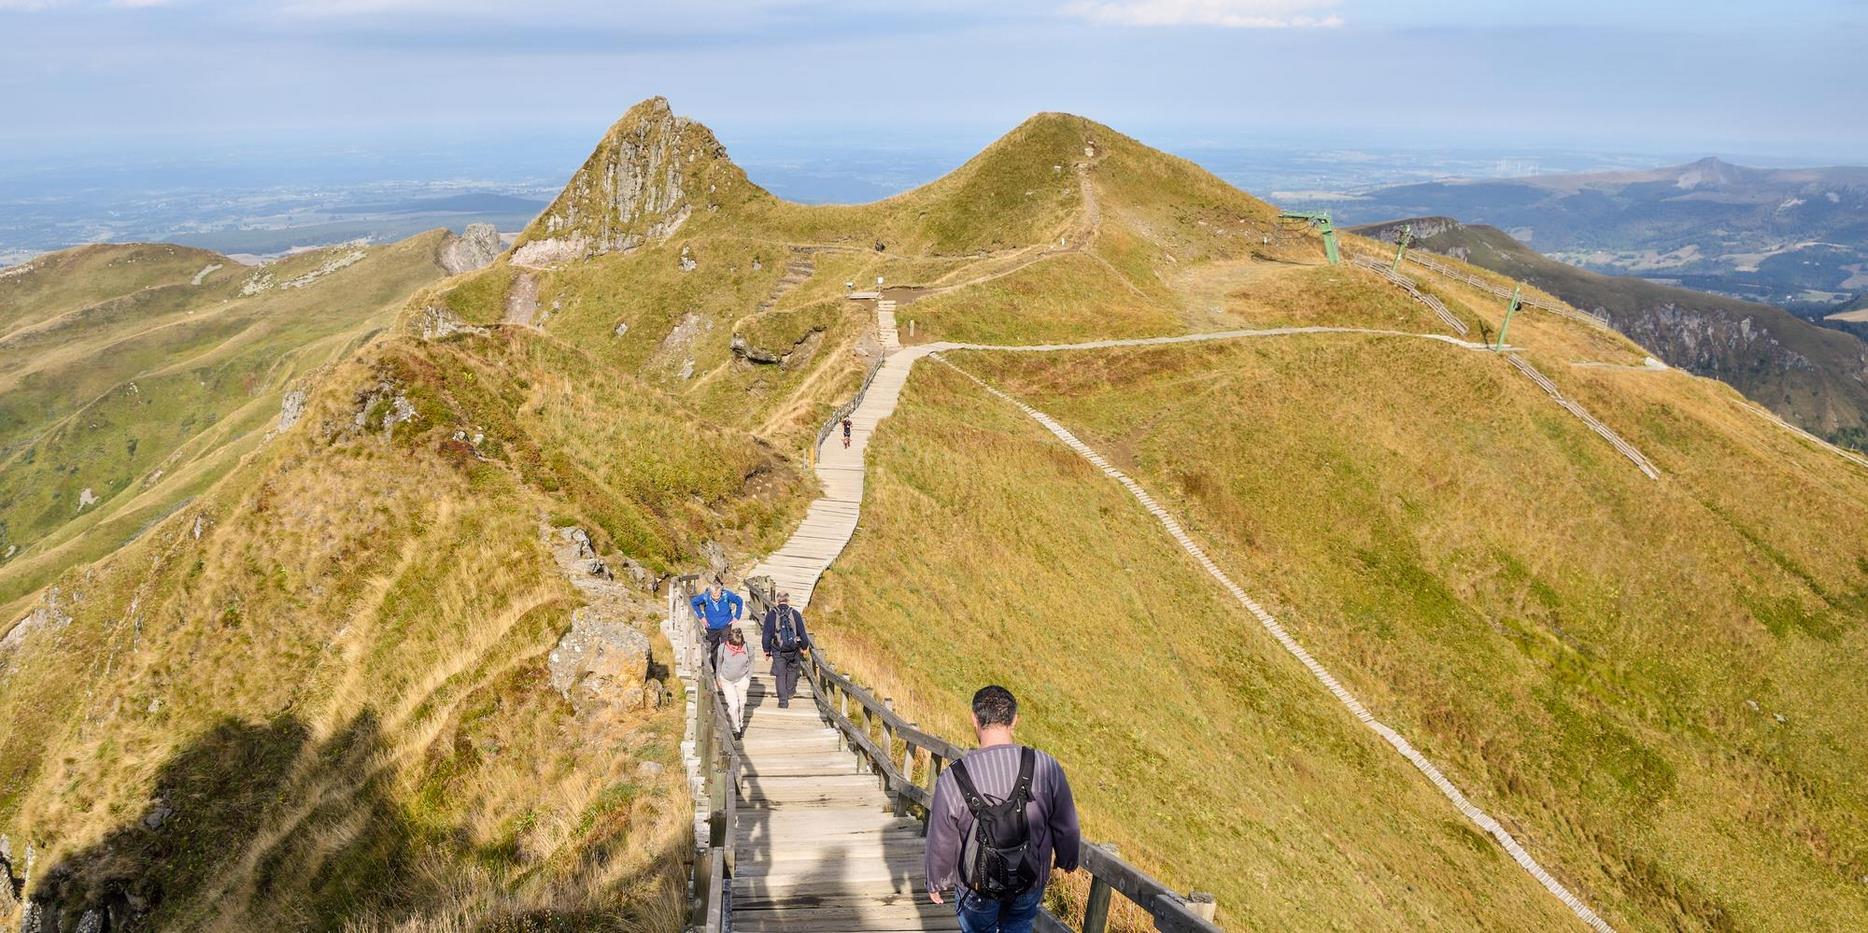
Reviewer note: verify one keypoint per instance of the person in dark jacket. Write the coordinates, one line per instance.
(718, 608)
(785, 643)
(1050, 820)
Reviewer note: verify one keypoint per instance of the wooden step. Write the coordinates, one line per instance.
(796, 890)
(864, 917)
(880, 846)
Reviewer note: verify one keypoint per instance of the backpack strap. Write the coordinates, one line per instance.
(1027, 765)
(968, 793)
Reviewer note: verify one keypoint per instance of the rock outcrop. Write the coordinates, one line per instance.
(436, 322)
(603, 662)
(648, 176)
(476, 248)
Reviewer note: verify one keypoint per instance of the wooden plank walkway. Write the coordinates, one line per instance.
(819, 847)
(885, 325)
(831, 520)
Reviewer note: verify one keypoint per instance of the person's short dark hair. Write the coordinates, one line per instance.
(995, 706)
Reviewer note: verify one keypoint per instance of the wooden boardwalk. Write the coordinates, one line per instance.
(819, 846)
(831, 520)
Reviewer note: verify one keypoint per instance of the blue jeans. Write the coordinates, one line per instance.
(979, 915)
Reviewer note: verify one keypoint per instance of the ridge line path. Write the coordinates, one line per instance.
(831, 519)
(820, 848)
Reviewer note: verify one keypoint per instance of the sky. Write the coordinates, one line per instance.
(1781, 79)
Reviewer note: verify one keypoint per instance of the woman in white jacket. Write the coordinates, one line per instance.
(733, 671)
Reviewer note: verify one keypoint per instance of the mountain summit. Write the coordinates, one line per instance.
(641, 185)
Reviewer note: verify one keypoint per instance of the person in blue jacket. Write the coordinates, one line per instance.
(718, 608)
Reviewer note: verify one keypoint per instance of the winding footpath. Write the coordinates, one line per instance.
(823, 851)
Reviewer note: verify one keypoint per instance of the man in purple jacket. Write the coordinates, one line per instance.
(995, 770)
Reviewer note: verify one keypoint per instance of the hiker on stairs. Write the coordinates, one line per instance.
(785, 644)
(1001, 817)
(733, 671)
(718, 608)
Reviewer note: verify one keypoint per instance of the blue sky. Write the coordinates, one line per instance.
(1781, 78)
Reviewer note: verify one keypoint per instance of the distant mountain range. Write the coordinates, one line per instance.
(1813, 376)
(1790, 237)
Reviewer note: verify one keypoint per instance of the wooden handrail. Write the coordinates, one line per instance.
(719, 762)
(903, 729)
(1171, 912)
(847, 408)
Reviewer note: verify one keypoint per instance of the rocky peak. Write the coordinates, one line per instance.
(650, 173)
(476, 248)
(1709, 172)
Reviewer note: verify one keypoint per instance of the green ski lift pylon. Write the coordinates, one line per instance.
(1516, 305)
(1407, 233)
(1321, 221)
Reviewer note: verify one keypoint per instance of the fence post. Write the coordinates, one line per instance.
(888, 748)
(1096, 909)
(1202, 904)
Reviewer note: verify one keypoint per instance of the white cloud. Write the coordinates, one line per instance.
(1232, 14)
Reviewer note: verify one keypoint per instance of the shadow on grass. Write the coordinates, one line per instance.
(211, 801)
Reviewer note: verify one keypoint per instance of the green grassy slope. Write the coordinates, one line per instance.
(330, 668)
(136, 384)
(1654, 682)
(992, 554)
(1813, 376)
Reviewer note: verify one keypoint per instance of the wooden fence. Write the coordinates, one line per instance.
(1438, 307)
(1529, 301)
(716, 759)
(872, 729)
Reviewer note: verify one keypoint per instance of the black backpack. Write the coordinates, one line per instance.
(993, 856)
(785, 634)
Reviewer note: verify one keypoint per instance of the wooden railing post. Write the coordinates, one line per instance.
(888, 749)
(1096, 909)
(1204, 905)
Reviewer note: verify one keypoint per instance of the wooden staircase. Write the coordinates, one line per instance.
(819, 847)
(885, 325)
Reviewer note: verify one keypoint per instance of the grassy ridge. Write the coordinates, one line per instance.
(1602, 658)
(337, 685)
(147, 403)
(989, 553)
(1813, 376)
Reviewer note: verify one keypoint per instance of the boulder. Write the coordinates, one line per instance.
(600, 658)
(715, 556)
(580, 539)
(474, 249)
(745, 350)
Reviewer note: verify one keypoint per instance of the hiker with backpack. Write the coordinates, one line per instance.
(846, 433)
(718, 608)
(785, 643)
(1002, 816)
